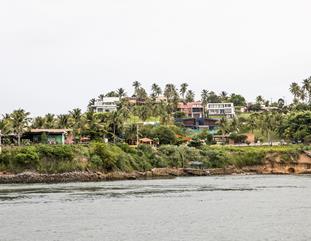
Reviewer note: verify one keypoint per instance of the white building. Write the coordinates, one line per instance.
(107, 104)
(221, 109)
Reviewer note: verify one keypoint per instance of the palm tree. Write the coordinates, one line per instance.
(259, 100)
(281, 103)
(141, 93)
(101, 96)
(295, 90)
(190, 96)
(224, 127)
(63, 121)
(183, 89)
(252, 122)
(307, 88)
(91, 103)
(19, 123)
(121, 93)
(136, 85)
(76, 120)
(156, 90)
(38, 122)
(224, 96)
(49, 121)
(204, 99)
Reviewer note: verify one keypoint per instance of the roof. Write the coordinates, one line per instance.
(145, 140)
(189, 105)
(55, 131)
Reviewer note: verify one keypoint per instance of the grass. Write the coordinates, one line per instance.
(121, 157)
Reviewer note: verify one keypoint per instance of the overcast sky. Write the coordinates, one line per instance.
(55, 55)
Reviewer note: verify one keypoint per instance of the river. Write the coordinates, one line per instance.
(226, 208)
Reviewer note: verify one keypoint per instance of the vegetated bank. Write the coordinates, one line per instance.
(99, 161)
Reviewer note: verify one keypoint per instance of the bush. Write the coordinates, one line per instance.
(27, 156)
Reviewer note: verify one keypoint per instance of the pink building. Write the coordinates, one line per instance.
(192, 109)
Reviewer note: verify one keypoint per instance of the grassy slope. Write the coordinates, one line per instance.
(108, 157)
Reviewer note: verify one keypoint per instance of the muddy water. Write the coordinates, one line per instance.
(229, 208)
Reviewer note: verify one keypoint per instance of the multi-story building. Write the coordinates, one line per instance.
(106, 104)
(220, 109)
(191, 109)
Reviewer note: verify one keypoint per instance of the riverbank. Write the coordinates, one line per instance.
(104, 162)
(87, 176)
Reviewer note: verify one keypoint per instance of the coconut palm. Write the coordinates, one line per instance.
(204, 99)
(183, 89)
(224, 127)
(156, 90)
(49, 121)
(295, 90)
(224, 96)
(260, 100)
(19, 120)
(306, 86)
(190, 96)
(38, 122)
(136, 85)
(121, 93)
(63, 121)
(252, 122)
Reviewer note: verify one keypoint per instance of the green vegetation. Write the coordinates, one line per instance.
(120, 157)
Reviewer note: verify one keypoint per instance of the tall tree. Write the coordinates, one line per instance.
(190, 96)
(223, 96)
(156, 90)
(183, 89)
(295, 90)
(63, 121)
(38, 122)
(49, 121)
(121, 93)
(19, 123)
(136, 85)
(204, 100)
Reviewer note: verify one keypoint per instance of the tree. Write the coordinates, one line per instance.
(111, 94)
(63, 121)
(296, 126)
(252, 122)
(91, 104)
(306, 86)
(141, 93)
(237, 100)
(260, 100)
(19, 123)
(190, 96)
(183, 89)
(49, 121)
(224, 96)
(281, 103)
(136, 86)
(164, 134)
(170, 92)
(38, 122)
(156, 90)
(204, 99)
(295, 90)
(224, 127)
(213, 97)
(121, 93)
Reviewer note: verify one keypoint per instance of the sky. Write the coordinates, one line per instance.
(56, 55)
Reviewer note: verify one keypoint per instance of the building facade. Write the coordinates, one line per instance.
(106, 104)
(191, 109)
(220, 109)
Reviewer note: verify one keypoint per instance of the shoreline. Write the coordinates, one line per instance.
(156, 173)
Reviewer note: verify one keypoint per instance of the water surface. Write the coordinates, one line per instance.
(230, 208)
